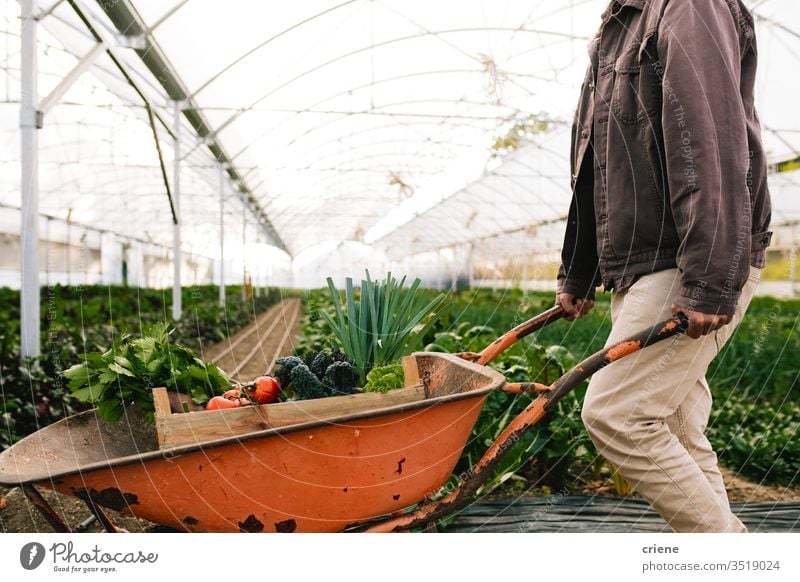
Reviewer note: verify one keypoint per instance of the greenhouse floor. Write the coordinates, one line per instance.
(252, 351)
(527, 514)
(584, 514)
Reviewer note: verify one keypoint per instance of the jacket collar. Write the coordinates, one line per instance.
(638, 4)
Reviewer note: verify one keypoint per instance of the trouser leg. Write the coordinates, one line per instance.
(630, 405)
(688, 423)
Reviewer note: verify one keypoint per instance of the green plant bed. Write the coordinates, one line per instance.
(77, 320)
(757, 366)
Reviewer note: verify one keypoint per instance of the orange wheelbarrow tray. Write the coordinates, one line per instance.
(373, 466)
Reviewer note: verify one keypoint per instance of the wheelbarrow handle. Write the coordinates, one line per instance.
(533, 413)
(511, 337)
(647, 337)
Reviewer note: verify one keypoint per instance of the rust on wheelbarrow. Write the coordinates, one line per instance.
(373, 470)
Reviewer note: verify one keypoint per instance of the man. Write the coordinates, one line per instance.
(670, 211)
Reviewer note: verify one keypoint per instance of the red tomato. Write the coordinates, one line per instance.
(232, 393)
(265, 391)
(220, 403)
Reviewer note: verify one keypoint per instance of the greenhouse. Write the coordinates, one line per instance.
(289, 199)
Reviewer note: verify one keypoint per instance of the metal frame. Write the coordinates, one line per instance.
(177, 302)
(222, 236)
(59, 90)
(127, 21)
(30, 123)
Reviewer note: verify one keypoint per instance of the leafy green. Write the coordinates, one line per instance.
(384, 378)
(127, 373)
(322, 374)
(340, 377)
(385, 321)
(306, 385)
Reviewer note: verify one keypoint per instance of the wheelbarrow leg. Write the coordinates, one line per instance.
(102, 517)
(45, 509)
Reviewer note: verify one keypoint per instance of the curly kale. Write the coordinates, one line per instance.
(306, 385)
(286, 366)
(320, 363)
(341, 377)
(328, 373)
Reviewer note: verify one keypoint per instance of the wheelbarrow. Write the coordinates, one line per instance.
(374, 464)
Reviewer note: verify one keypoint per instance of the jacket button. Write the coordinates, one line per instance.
(574, 177)
(584, 133)
(591, 85)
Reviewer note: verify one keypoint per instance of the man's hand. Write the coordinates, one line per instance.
(574, 307)
(702, 323)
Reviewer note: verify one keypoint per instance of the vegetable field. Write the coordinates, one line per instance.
(755, 420)
(754, 424)
(89, 319)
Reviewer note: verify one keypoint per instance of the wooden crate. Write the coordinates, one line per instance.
(197, 427)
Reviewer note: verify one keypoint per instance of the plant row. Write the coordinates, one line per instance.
(90, 319)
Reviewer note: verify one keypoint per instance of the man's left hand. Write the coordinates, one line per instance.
(702, 323)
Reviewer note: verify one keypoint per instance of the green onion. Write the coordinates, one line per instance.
(385, 321)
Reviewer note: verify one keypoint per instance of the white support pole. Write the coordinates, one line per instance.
(69, 247)
(47, 258)
(29, 122)
(221, 236)
(524, 284)
(440, 268)
(793, 260)
(244, 251)
(470, 265)
(454, 270)
(177, 307)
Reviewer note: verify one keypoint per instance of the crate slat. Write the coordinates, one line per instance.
(196, 427)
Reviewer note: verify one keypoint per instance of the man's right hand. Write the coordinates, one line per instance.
(574, 307)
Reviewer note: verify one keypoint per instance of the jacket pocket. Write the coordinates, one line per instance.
(630, 103)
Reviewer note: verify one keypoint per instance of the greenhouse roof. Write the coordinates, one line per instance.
(330, 121)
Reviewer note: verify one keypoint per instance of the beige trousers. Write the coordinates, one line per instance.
(647, 413)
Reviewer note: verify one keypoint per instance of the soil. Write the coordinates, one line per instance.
(258, 344)
(741, 489)
(20, 516)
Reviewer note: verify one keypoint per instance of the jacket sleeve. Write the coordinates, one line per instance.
(706, 152)
(578, 272)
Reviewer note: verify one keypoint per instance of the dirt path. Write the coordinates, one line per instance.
(273, 334)
(741, 489)
(252, 352)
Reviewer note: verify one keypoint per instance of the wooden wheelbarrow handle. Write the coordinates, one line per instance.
(511, 337)
(477, 475)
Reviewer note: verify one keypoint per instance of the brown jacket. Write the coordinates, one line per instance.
(667, 163)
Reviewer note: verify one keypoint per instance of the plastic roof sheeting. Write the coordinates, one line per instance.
(360, 120)
(530, 187)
